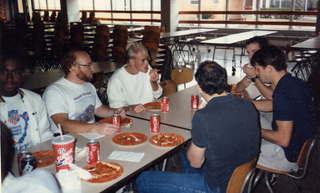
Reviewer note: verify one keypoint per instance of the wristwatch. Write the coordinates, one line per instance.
(253, 79)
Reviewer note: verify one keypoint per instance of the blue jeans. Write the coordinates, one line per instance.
(190, 180)
(171, 182)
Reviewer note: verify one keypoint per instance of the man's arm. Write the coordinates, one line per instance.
(104, 111)
(263, 105)
(281, 136)
(242, 85)
(156, 88)
(266, 91)
(196, 155)
(74, 126)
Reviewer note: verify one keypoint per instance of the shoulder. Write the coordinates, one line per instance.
(30, 93)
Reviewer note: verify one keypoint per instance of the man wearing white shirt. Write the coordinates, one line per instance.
(135, 83)
(72, 101)
(21, 110)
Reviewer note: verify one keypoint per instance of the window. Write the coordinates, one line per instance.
(195, 2)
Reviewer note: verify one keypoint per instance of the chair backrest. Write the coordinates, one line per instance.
(305, 153)
(182, 75)
(240, 177)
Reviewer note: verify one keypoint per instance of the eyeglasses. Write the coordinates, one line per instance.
(89, 64)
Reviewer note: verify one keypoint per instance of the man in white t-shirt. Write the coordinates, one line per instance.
(72, 101)
(135, 83)
(21, 110)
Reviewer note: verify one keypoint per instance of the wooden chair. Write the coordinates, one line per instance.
(182, 75)
(302, 162)
(240, 177)
(169, 87)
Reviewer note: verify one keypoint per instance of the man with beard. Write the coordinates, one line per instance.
(21, 110)
(72, 101)
(135, 83)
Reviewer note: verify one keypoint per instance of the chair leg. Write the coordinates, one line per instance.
(266, 177)
(257, 177)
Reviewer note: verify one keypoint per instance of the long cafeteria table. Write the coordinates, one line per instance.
(152, 155)
(180, 113)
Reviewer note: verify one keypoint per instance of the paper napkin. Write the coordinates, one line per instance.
(126, 156)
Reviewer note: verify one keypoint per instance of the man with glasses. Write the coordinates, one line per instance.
(72, 101)
(135, 83)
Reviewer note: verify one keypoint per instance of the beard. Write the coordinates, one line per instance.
(84, 77)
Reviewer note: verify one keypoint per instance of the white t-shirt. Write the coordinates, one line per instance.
(77, 100)
(18, 122)
(38, 181)
(126, 89)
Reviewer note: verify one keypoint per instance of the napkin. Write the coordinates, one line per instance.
(80, 153)
(92, 135)
(69, 181)
(126, 156)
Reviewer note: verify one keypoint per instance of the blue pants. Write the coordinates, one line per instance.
(189, 181)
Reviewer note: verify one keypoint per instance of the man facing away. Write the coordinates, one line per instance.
(21, 110)
(225, 134)
(135, 83)
(292, 111)
(72, 101)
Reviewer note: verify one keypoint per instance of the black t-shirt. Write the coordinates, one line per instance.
(228, 128)
(292, 101)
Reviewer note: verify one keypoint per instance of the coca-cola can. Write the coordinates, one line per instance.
(64, 151)
(93, 148)
(155, 123)
(194, 102)
(28, 164)
(116, 121)
(165, 104)
(20, 155)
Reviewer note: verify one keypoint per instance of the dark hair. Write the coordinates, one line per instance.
(261, 41)
(270, 55)
(14, 57)
(68, 60)
(7, 150)
(212, 78)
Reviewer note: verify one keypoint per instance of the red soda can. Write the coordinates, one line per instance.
(93, 151)
(116, 119)
(194, 102)
(27, 164)
(165, 104)
(155, 123)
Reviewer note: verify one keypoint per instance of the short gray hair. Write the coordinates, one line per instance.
(134, 48)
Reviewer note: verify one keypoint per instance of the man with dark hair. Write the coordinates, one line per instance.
(72, 101)
(21, 110)
(225, 134)
(251, 79)
(292, 111)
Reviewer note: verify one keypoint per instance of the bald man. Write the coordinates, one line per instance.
(72, 101)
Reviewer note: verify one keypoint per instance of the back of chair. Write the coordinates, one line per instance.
(305, 153)
(240, 177)
(182, 75)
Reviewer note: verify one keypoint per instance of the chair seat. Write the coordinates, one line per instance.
(271, 170)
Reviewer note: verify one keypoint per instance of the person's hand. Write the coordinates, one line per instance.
(138, 108)
(250, 71)
(154, 76)
(106, 129)
(120, 111)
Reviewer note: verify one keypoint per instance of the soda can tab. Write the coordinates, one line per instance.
(165, 104)
(116, 121)
(194, 102)
(93, 148)
(28, 164)
(155, 123)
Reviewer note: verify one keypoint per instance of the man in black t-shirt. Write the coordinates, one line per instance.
(292, 111)
(225, 134)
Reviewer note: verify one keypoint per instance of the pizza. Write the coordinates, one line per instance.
(153, 106)
(44, 158)
(124, 121)
(166, 140)
(104, 171)
(129, 139)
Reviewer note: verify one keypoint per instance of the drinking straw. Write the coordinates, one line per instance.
(60, 131)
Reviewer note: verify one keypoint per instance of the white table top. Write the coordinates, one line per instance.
(180, 113)
(185, 32)
(131, 169)
(312, 43)
(238, 37)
